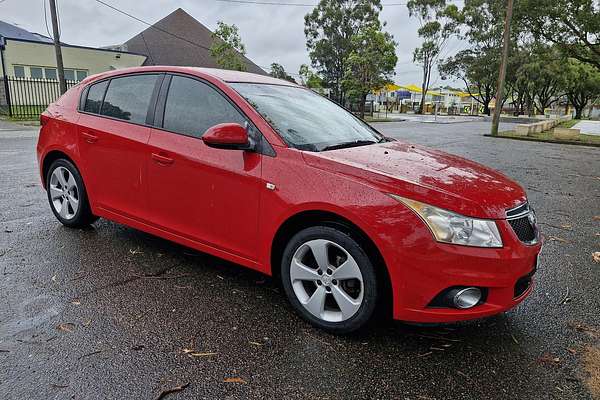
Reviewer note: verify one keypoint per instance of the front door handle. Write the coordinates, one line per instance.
(88, 137)
(162, 160)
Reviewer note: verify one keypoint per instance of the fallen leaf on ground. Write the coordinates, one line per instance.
(583, 327)
(557, 239)
(206, 354)
(136, 251)
(54, 278)
(255, 343)
(572, 351)
(234, 380)
(76, 302)
(549, 359)
(167, 392)
(596, 256)
(596, 218)
(566, 226)
(87, 322)
(67, 327)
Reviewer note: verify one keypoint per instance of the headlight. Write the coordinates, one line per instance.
(449, 227)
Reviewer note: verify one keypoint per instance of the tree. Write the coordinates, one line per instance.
(572, 25)
(309, 79)
(438, 21)
(329, 29)
(370, 65)
(478, 69)
(277, 71)
(227, 48)
(581, 85)
(543, 73)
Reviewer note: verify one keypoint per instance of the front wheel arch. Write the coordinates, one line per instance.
(306, 219)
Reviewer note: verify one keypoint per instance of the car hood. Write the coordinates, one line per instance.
(426, 175)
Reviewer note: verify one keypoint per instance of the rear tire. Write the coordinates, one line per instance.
(329, 279)
(67, 195)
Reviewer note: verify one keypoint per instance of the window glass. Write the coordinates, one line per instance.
(36, 72)
(128, 98)
(69, 75)
(50, 73)
(94, 97)
(19, 71)
(304, 119)
(192, 107)
(81, 75)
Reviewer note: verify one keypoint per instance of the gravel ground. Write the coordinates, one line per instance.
(110, 312)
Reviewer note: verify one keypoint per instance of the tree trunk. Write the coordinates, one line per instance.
(486, 108)
(578, 112)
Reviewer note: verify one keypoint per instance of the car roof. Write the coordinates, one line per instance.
(221, 74)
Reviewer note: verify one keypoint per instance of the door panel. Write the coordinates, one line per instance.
(205, 194)
(113, 140)
(114, 157)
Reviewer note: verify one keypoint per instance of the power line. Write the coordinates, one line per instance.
(151, 25)
(275, 3)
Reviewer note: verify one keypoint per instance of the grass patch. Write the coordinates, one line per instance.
(569, 124)
(586, 140)
(372, 119)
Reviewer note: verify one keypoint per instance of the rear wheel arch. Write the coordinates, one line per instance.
(306, 219)
(49, 158)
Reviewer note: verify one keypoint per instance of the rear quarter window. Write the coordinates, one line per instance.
(94, 97)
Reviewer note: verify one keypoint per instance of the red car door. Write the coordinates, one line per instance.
(112, 141)
(204, 194)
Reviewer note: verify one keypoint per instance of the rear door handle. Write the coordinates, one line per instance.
(163, 160)
(88, 137)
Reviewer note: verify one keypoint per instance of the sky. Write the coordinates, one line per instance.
(271, 33)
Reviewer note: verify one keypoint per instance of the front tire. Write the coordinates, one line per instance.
(329, 279)
(67, 195)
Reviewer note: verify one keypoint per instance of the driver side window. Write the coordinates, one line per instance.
(193, 106)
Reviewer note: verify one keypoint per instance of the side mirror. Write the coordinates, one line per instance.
(227, 136)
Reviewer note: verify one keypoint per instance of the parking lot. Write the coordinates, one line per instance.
(111, 312)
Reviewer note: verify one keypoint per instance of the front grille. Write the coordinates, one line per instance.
(523, 228)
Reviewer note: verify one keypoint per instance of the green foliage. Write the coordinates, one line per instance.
(438, 21)
(227, 48)
(572, 25)
(581, 84)
(371, 63)
(277, 71)
(309, 79)
(329, 29)
(478, 69)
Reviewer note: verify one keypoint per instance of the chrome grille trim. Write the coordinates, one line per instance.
(518, 211)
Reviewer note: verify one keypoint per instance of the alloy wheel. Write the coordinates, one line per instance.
(326, 280)
(64, 193)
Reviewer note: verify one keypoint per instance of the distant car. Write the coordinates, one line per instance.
(272, 176)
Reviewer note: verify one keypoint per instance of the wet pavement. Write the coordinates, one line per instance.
(110, 312)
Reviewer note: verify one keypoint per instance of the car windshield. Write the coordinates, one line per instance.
(306, 120)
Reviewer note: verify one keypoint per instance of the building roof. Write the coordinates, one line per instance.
(10, 31)
(178, 39)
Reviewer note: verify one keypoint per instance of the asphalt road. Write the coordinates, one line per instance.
(113, 313)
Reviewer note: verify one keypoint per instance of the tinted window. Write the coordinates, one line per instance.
(19, 71)
(69, 75)
(192, 107)
(128, 98)
(36, 72)
(81, 75)
(50, 73)
(94, 97)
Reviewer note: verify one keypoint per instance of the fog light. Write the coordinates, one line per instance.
(467, 297)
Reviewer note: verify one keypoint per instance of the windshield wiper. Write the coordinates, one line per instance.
(345, 145)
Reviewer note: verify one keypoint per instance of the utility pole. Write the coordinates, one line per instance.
(59, 61)
(502, 73)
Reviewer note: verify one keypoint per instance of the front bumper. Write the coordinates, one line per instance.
(428, 269)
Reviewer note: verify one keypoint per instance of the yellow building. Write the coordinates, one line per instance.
(28, 61)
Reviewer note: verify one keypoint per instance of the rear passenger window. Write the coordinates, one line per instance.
(128, 98)
(192, 107)
(94, 97)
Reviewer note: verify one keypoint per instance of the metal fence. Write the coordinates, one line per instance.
(29, 97)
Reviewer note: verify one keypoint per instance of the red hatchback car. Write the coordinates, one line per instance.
(274, 177)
